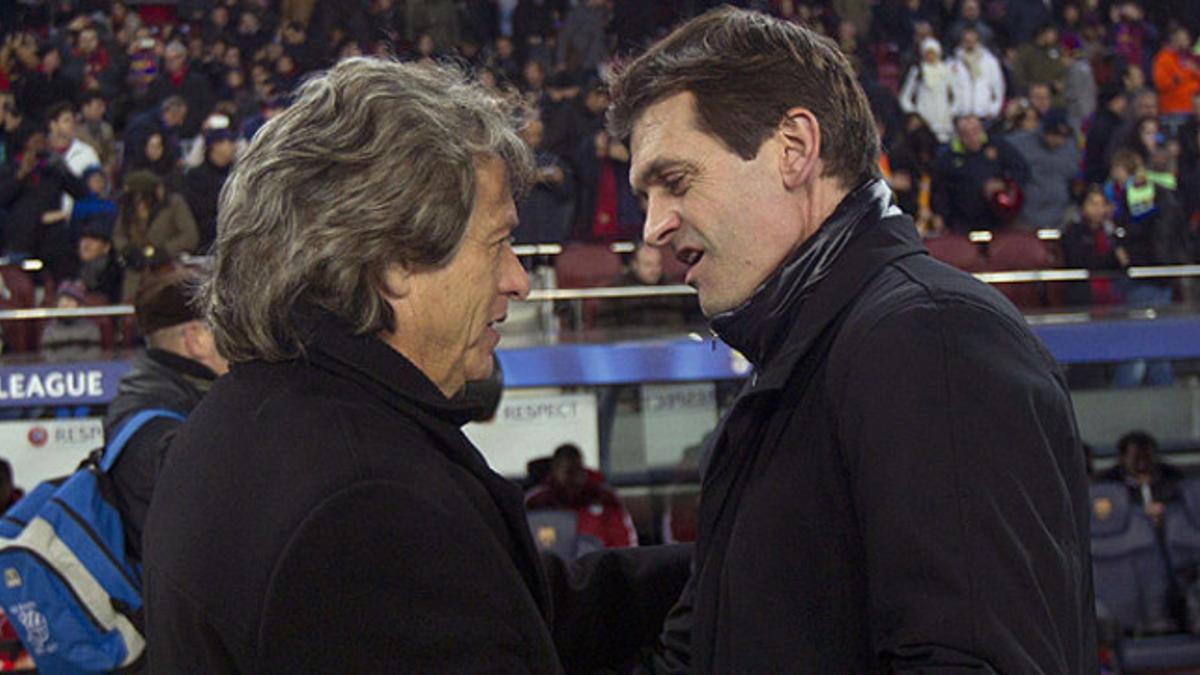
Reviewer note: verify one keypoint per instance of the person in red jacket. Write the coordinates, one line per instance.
(572, 486)
(1176, 74)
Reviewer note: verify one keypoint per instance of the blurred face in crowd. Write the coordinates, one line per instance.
(1148, 133)
(970, 40)
(89, 42)
(425, 45)
(219, 17)
(62, 127)
(731, 221)
(51, 61)
(532, 133)
(95, 183)
(174, 116)
(647, 265)
(1138, 461)
(247, 23)
(534, 75)
(504, 47)
(569, 476)
(970, 131)
(222, 152)
(1134, 78)
(93, 110)
(175, 60)
(1180, 40)
(1040, 98)
(446, 316)
(93, 248)
(1094, 209)
(1047, 38)
(932, 55)
(232, 58)
(154, 147)
(597, 101)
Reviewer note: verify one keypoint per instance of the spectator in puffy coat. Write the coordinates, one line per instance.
(573, 487)
(929, 91)
(978, 78)
(155, 227)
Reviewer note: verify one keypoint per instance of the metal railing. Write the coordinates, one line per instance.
(680, 290)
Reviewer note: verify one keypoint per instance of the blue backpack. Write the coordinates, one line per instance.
(66, 583)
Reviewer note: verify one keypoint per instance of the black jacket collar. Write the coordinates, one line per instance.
(780, 321)
(332, 344)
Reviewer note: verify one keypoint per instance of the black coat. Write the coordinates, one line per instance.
(328, 515)
(202, 190)
(900, 486)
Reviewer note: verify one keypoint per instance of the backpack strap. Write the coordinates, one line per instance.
(112, 451)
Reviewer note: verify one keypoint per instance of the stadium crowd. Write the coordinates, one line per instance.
(120, 120)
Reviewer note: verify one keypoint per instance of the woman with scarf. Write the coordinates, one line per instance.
(929, 91)
(154, 227)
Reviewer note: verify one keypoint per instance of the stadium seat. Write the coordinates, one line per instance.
(586, 265)
(556, 531)
(1020, 250)
(1132, 584)
(956, 250)
(1181, 530)
(1131, 576)
(19, 336)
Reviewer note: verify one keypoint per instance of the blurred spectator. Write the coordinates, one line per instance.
(1079, 97)
(583, 43)
(506, 61)
(1088, 243)
(1108, 119)
(38, 89)
(436, 18)
(96, 209)
(62, 141)
(1150, 232)
(909, 171)
(165, 121)
(1041, 62)
(544, 213)
(31, 189)
(667, 312)
(99, 269)
(1152, 483)
(1189, 173)
(66, 340)
(178, 79)
(572, 486)
(1025, 19)
(11, 121)
(1053, 160)
(152, 156)
(533, 28)
(970, 178)
(202, 184)
(575, 119)
(174, 373)
(606, 208)
(372, 22)
(1133, 37)
(9, 493)
(929, 91)
(154, 228)
(1176, 75)
(95, 61)
(970, 18)
(979, 78)
(95, 131)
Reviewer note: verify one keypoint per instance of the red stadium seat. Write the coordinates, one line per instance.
(586, 265)
(19, 336)
(1019, 250)
(956, 250)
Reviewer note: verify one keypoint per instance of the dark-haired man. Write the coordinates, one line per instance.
(900, 485)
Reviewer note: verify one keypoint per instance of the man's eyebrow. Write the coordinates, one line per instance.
(653, 173)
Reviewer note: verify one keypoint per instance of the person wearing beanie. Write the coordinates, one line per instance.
(174, 373)
(70, 340)
(99, 269)
(929, 91)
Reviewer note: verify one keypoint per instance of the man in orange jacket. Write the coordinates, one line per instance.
(1176, 74)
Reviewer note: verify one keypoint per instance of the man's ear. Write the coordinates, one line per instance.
(395, 281)
(799, 135)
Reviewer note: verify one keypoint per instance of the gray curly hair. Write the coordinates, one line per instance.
(373, 164)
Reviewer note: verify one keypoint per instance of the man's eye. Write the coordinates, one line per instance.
(674, 185)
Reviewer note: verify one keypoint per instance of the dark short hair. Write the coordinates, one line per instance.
(746, 70)
(1137, 439)
(567, 452)
(57, 109)
(91, 95)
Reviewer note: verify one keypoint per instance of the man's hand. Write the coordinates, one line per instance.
(993, 186)
(1122, 256)
(1155, 511)
(51, 217)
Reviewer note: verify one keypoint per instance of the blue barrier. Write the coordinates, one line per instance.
(667, 360)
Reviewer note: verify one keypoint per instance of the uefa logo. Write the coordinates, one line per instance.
(38, 436)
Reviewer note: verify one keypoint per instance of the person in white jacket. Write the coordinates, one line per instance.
(929, 91)
(978, 78)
